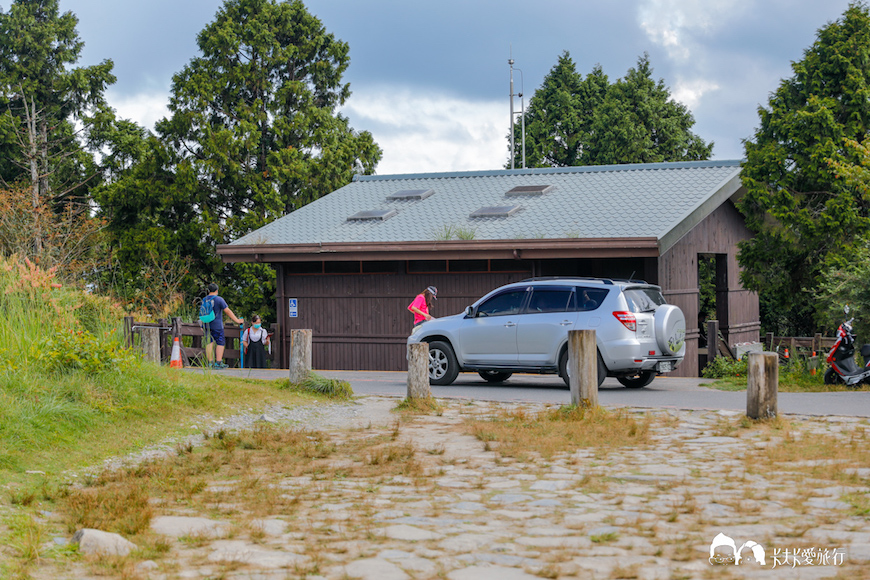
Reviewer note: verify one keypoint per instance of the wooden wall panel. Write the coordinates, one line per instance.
(361, 322)
(719, 233)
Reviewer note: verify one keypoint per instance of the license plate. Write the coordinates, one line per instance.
(665, 366)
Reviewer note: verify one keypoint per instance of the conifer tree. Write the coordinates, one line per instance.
(806, 217)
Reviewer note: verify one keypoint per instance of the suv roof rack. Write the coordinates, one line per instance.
(608, 281)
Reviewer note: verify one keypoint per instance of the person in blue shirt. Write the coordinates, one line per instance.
(214, 351)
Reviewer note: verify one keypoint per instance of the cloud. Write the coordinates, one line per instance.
(143, 108)
(675, 24)
(690, 91)
(425, 132)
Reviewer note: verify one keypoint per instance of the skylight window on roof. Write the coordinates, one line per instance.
(495, 211)
(411, 194)
(373, 215)
(529, 190)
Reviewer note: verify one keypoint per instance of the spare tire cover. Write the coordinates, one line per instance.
(671, 330)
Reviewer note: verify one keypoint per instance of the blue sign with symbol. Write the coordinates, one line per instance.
(293, 310)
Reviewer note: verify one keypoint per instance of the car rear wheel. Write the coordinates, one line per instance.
(637, 381)
(443, 368)
(563, 368)
(494, 376)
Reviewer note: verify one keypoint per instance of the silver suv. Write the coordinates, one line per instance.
(523, 327)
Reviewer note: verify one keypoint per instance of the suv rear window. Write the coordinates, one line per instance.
(643, 299)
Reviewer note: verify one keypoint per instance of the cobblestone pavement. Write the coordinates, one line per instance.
(646, 512)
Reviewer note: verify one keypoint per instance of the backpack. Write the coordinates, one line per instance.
(206, 310)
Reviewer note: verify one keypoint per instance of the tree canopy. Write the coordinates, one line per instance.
(43, 97)
(572, 120)
(48, 108)
(254, 132)
(806, 216)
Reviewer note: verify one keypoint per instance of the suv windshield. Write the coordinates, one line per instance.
(643, 299)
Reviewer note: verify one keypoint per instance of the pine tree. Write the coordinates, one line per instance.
(805, 216)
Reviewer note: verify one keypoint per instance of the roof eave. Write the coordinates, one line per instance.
(732, 189)
(529, 249)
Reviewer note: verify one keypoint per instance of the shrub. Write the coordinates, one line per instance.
(82, 351)
(722, 367)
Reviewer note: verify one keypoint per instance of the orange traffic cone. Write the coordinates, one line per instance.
(175, 360)
(786, 353)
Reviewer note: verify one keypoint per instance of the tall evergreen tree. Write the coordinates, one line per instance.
(254, 132)
(638, 122)
(256, 115)
(43, 96)
(559, 118)
(43, 99)
(573, 120)
(806, 218)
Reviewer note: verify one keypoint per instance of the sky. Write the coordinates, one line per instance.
(431, 81)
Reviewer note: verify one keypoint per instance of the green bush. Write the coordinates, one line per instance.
(82, 351)
(722, 367)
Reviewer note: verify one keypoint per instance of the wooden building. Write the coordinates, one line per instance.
(349, 263)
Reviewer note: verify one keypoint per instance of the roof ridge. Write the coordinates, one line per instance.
(555, 170)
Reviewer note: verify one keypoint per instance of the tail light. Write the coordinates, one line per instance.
(628, 319)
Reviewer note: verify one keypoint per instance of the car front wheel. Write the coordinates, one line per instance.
(637, 381)
(443, 368)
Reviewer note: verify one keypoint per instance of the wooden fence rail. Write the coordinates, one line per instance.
(193, 349)
(795, 344)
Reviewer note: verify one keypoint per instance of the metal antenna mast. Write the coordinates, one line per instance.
(522, 113)
(511, 63)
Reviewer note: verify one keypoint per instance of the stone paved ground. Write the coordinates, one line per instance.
(645, 512)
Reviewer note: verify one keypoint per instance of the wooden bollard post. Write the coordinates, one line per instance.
(150, 343)
(418, 371)
(583, 368)
(762, 386)
(300, 355)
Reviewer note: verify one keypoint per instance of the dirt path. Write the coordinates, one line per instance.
(368, 494)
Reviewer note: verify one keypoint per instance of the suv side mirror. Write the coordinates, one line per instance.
(469, 311)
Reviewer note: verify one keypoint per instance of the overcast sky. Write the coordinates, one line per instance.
(430, 80)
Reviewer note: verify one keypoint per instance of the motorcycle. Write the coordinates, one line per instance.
(844, 369)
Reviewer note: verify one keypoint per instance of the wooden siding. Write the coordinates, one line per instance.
(362, 321)
(718, 233)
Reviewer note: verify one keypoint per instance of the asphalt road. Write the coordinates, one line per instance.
(664, 392)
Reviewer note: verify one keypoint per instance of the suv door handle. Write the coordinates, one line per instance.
(510, 324)
(566, 323)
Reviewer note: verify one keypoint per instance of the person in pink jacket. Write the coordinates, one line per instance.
(422, 304)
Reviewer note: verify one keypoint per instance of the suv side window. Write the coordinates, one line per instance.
(503, 304)
(643, 299)
(590, 298)
(549, 299)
